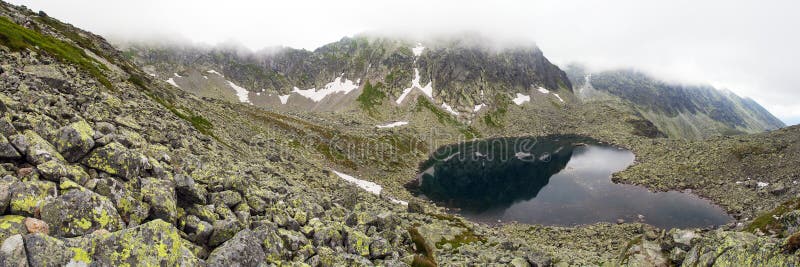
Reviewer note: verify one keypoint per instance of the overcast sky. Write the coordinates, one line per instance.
(749, 47)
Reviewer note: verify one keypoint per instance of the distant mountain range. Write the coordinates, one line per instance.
(685, 111)
(464, 76)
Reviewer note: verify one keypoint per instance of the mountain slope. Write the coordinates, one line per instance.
(460, 72)
(103, 165)
(681, 111)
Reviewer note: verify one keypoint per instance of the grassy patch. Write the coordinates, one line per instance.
(743, 150)
(371, 97)
(466, 237)
(18, 38)
(495, 117)
(445, 118)
(766, 222)
(198, 122)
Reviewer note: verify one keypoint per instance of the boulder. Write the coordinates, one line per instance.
(7, 150)
(223, 231)
(160, 194)
(5, 191)
(189, 191)
(129, 204)
(227, 198)
(74, 141)
(116, 159)
(80, 212)
(44, 250)
(53, 171)
(12, 252)
(197, 230)
(35, 148)
(12, 225)
(36, 226)
(244, 249)
(155, 243)
(27, 197)
(356, 242)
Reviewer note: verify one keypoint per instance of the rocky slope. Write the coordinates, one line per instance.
(680, 111)
(103, 165)
(459, 72)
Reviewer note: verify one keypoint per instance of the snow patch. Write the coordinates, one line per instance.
(366, 185)
(559, 97)
(172, 82)
(543, 91)
(205, 77)
(339, 85)
(478, 107)
(178, 75)
(393, 124)
(418, 49)
(394, 200)
(762, 184)
(152, 74)
(520, 99)
(241, 93)
(448, 108)
(427, 89)
(215, 72)
(284, 99)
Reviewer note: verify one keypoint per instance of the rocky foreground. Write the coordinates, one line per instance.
(102, 166)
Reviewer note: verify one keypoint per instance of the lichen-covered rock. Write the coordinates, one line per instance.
(129, 204)
(244, 249)
(726, 248)
(160, 194)
(379, 248)
(53, 171)
(12, 252)
(5, 191)
(36, 149)
(197, 230)
(79, 212)
(43, 250)
(116, 159)
(27, 197)
(155, 243)
(74, 141)
(356, 242)
(7, 150)
(11, 225)
(272, 244)
(223, 230)
(227, 198)
(189, 191)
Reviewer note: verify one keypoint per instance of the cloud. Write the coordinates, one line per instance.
(746, 46)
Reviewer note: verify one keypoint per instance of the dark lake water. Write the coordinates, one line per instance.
(559, 180)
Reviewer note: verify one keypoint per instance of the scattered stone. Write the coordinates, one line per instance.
(244, 249)
(7, 150)
(35, 148)
(223, 231)
(12, 225)
(27, 197)
(36, 226)
(12, 252)
(188, 191)
(160, 194)
(80, 212)
(75, 140)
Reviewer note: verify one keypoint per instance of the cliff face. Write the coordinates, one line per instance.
(462, 72)
(681, 111)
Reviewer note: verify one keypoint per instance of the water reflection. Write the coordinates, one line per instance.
(553, 181)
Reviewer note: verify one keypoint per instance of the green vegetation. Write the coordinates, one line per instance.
(198, 122)
(767, 221)
(445, 118)
(494, 118)
(743, 150)
(465, 237)
(371, 97)
(18, 38)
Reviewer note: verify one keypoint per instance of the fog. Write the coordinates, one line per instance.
(749, 47)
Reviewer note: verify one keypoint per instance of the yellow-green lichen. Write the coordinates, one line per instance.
(80, 255)
(83, 223)
(9, 220)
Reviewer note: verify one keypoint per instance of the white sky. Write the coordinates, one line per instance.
(749, 47)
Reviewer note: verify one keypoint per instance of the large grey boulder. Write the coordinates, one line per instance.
(160, 194)
(79, 212)
(244, 249)
(74, 141)
(12, 252)
(27, 197)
